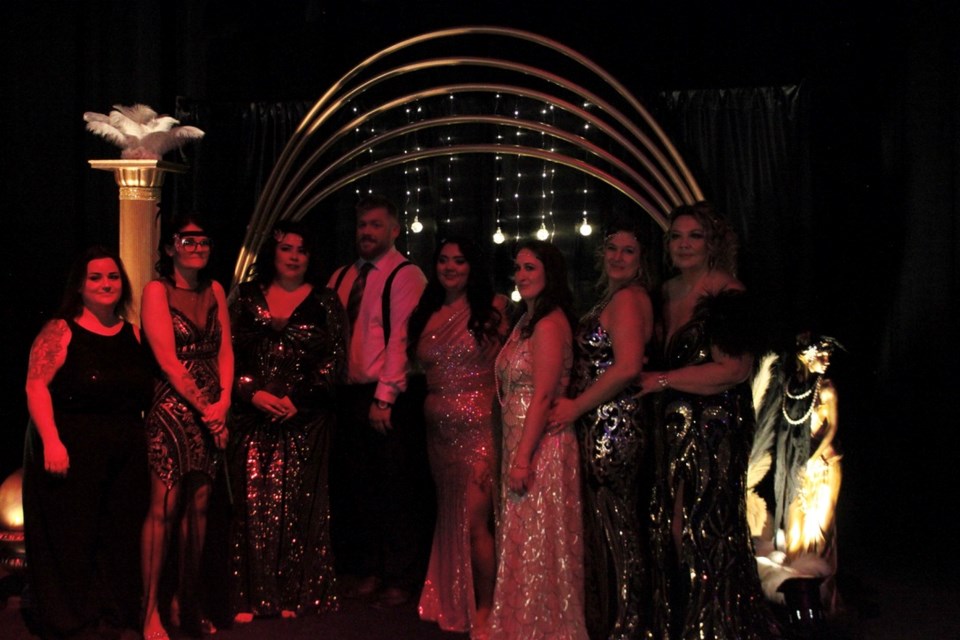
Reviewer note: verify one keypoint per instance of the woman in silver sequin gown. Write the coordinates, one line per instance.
(539, 591)
(288, 335)
(186, 323)
(454, 335)
(705, 572)
(608, 356)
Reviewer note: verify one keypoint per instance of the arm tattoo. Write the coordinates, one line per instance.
(47, 353)
(191, 391)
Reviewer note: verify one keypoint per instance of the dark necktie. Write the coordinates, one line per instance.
(356, 293)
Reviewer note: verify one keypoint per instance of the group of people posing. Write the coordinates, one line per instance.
(589, 475)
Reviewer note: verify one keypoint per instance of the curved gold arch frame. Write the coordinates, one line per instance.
(663, 163)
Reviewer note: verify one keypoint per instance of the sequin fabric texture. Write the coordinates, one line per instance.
(613, 444)
(178, 442)
(539, 592)
(280, 535)
(712, 589)
(459, 411)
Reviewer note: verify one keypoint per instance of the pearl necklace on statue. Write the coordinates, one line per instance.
(814, 390)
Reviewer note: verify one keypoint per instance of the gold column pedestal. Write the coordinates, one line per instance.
(140, 183)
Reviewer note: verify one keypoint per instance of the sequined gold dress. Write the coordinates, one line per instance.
(280, 535)
(539, 592)
(712, 590)
(461, 395)
(613, 448)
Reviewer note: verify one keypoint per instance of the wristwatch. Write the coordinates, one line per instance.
(382, 404)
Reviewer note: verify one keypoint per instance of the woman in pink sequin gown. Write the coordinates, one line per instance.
(455, 334)
(539, 592)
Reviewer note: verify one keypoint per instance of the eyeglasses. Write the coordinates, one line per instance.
(194, 244)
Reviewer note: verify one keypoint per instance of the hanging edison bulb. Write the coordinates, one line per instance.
(416, 226)
(585, 229)
(515, 294)
(542, 233)
(498, 236)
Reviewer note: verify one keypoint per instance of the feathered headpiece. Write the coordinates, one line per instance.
(140, 132)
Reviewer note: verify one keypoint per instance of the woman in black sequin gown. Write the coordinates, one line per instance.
(187, 326)
(609, 350)
(705, 573)
(288, 335)
(85, 463)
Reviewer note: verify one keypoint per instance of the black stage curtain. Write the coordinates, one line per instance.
(748, 148)
(227, 176)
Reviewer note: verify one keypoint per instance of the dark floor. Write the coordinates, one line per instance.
(879, 607)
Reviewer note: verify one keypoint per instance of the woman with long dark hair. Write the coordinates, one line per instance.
(85, 463)
(187, 326)
(539, 590)
(454, 334)
(289, 336)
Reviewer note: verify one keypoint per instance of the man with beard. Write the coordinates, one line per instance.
(378, 460)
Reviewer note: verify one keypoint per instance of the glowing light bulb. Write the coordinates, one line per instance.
(585, 229)
(542, 233)
(416, 226)
(498, 236)
(515, 294)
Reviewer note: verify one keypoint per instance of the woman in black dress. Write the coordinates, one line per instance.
(609, 348)
(289, 337)
(85, 465)
(186, 323)
(705, 573)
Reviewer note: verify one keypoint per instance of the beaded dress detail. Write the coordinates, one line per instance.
(280, 536)
(539, 592)
(459, 411)
(613, 454)
(178, 441)
(712, 590)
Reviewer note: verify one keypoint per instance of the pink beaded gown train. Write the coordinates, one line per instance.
(461, 395)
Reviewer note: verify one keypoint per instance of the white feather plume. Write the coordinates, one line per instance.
(139, 131)
(776, 569)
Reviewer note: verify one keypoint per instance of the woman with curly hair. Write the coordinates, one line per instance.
(705, 575)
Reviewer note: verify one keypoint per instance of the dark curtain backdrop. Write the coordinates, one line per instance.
(228, 173)
(749, 149)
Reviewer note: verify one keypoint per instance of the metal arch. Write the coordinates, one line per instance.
(689, 187)
(247, 253)
(529, 37)
(524, 69)
(659, 216)
(529, 125)
(601, 125)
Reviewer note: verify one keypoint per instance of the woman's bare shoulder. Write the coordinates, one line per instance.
(720, 281)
